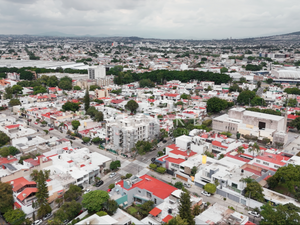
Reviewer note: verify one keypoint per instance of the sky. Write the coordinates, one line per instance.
(169, 19)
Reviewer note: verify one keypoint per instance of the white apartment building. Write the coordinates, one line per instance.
(125, 131)
(96, 72)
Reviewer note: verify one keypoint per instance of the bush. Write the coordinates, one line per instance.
(178, 185)
(160, 153)
(228, 134)
(128, 175)
(207, 123)
(86, 139)
(111, 186)
(101, 213)
(153, 166)
(96, 140)
(210, 188)
(161, 170)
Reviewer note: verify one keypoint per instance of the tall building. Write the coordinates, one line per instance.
(96, 72)
(124, 132)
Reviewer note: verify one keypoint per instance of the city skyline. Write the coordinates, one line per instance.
(168, 19)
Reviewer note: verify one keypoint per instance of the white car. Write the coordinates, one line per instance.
(86, 191)
(47, 216)
(112, 174)
(186, 185)
(253, 213)
(37, 222)
(206, 193)
(204, 204)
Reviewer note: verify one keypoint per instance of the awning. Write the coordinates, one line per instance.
(155, 211)
(121, 205)
(167, 218)
(126, 203)
(17, 205)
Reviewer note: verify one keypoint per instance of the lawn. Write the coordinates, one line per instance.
(132, 210)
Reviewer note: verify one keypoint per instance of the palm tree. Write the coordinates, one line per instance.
(240, 150)
(254, 148)
(247, 180)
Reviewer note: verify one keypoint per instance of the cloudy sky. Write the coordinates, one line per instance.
(196, 19)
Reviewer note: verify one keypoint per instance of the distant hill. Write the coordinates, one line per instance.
(59, 34)
(294, 33)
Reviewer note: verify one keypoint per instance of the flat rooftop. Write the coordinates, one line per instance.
(263, 115)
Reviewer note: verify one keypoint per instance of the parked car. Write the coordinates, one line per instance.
(206, 193)
(51, 128)
(204, 204)
(112, 174)
(36, 123)
(86, 191)
(47, 216)
(254, 213)
(66, 222)
(153, 159)
(186, 185)
(37, 222)
(20, 117)
(164, 141)
(42, 125)
(99, 183)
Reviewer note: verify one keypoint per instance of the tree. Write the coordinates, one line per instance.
(4, 139)
(223, 70)
(254, 148)
(235, 88)
(256, 191)
(184, 96)
(96, 140)
(14, 102)
(71, 106)
(240, 150)
(269, 81)
(98, 116)
(65, 83)
(75, 124)
(132, 106)
(39, 89)
(17, 89)
(177, 221)
(8, 92)
(178, 185)
(111, 186)
(86, 100)
(194, 170)
(73, 193)
(52, 81)
(292, 102)
(91, 111)
(258, 84)
(77, 88)
(6, 151)
(143, 147)
(68, 211)
(111, 206)
(146, 83)
(15, 216)
(42, 194)
(145, 208)
(247, 180)
(94, 200)
(196, 210)
(184, 208)
(278, 215)
(86, 139)
(210, 188)
(6, 197)
(94, 87)
(296, 123)
(115, 164)
(245, 97)
(46, 132)
(216, 104)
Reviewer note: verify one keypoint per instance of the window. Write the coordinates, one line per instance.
(155, 201)
(139, 191)
(258, 161)
(149, 195)
(234, 185)
(276, 166)
(266, 163)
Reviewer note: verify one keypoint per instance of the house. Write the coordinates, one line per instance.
(141, 189)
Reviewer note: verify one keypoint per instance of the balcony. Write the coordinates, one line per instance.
(234, 189)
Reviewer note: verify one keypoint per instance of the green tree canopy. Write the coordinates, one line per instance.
(223, 70)
(185, 211)
(86, 100)
(6, 197)
(65, 83)
(73, 193)
(216, 104)
(256, 191)
(71, 106)
(146, 83)
(17, 89)
(296, 123)
(15, 216)
(95, 200)
(14, 102)
(75, 124)
(52, 81)
(4, 139)
(77, 88)
(6, 151)
(94, 87)
(68, 211)
(245, 97)
(132, 106)
(8, 92)
(177, 221)
(258, 101)
(39, 89)
(210, 188)
(111, 206)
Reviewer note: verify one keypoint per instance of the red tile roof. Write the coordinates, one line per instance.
(5, 160)
(292, 117)
(267, 177)
(157, 187)
(24, 194)
(167, 218)
(155, 211)
(12, 126)
(183, 153)
(17, 205)
(117, 101)
(20, 182)
(273, 158)
(263, 167)
(219, 144)
(173, 160)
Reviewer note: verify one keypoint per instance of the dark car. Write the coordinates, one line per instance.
(164, 141)
(153, 159)
(42, 125)
(72, 138)
(99, 183)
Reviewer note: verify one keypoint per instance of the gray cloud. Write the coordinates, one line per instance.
(151, 18)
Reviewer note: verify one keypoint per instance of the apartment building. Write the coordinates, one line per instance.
(125, 131)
